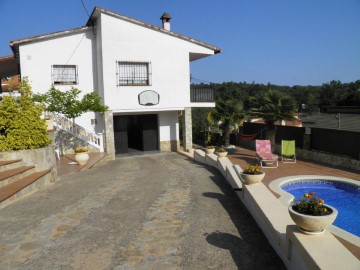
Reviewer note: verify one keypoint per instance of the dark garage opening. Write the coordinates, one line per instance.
(135, 133)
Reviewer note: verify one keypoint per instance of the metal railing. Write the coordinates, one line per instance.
(202, 95)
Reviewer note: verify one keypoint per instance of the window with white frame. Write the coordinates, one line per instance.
(64, 74)
(133, 73)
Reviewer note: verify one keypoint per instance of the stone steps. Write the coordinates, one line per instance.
(19, 181)
(12, 175)
(8, 164)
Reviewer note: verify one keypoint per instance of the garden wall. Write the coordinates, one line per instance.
(334, 147)
(332, 141)
(41, 158)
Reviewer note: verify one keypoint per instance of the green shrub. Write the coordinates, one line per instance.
(20, 124)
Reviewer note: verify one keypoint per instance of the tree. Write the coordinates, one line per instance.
(312, 104)
(273, 106)
(69, 104)
(20, 124)
(329, 93)
(229, 112)
(350, 96)
(200, 123)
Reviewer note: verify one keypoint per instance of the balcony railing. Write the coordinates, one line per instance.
(202, 95)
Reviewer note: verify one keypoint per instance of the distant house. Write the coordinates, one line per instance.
(296, 123)
(9, 66)
(282, 123)
(347, 121)
(141, 71)
(6, 85)
(8, 70)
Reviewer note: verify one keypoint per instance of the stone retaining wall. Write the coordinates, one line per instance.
(42, 159)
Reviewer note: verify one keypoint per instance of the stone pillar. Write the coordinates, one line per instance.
(307, 142)
(109, 135)
(307, 139)
(187, 129)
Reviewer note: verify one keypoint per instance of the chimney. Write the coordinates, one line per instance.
(166, 21)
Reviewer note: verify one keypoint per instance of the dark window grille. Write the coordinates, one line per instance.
(64, 74)
(133, 73)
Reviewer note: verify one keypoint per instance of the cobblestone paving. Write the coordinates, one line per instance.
(151, 212)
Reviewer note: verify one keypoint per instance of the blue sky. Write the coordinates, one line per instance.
(285, 42)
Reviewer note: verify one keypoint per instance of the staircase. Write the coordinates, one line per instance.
(17, 180)
(77, 131)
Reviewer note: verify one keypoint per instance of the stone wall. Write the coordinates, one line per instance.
(109, 140)
(187, 129)
(168, 146)
(42, 158)
(341, 161)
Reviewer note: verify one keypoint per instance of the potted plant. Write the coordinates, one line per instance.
(221, 152)
(210, 149)
(252, 174)
(311, 215)
(81, 155)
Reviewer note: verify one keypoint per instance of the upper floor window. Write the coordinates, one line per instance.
(64, 74)
(133, 73)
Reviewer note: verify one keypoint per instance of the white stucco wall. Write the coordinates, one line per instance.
(96, 56)
(168, 126)
(36, 59)
(169, 57)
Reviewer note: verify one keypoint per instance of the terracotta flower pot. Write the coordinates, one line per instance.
(82, 158)
(251, 179)
(313, 224)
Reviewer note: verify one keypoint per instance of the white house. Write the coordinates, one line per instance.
(141, 71)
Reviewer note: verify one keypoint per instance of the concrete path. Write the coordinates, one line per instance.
(152, 212)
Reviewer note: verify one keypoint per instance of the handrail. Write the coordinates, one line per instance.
(76, 130)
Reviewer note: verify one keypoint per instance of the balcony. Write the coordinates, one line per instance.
(202, 96)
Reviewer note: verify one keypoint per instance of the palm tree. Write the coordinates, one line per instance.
(229, 112)
(273, 106)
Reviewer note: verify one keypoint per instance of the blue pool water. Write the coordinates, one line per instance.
(346, 199)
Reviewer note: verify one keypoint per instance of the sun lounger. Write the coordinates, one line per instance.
(264, 154)
(288, 154)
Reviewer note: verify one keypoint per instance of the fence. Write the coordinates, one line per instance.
(338, 142)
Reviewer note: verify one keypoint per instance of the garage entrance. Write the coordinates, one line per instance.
(136, 133)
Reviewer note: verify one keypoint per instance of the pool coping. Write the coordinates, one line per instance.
(286, 198)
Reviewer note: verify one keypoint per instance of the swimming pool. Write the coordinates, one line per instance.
(344, 197)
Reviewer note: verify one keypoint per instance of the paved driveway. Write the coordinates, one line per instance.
(152, 212)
